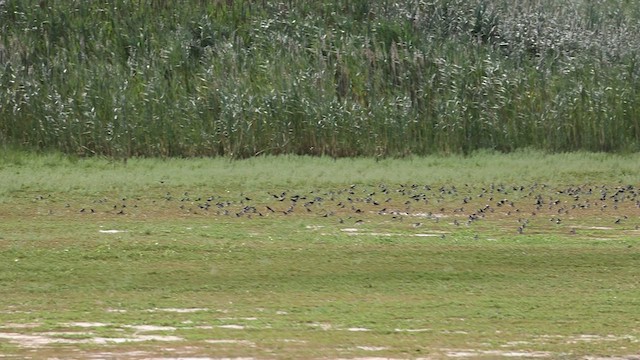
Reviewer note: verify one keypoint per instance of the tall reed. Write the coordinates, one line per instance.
(341, 78)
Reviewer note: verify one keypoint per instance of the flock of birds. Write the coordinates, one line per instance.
(412, 204)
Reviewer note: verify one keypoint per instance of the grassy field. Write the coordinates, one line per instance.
(351, 228)
(522, 255)
(241, 78)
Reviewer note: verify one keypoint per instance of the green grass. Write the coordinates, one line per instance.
(55, 172)
(291, 280)
(292, 285)
(338, 78)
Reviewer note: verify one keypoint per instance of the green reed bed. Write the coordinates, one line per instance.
(340, 78)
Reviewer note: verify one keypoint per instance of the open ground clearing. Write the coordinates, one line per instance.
(207, 259)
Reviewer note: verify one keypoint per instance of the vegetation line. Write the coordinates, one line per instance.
(339, 78)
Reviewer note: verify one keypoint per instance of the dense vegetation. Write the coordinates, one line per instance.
(341, 77)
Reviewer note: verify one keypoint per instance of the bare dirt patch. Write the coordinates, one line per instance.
(177, 310)
(471, 353)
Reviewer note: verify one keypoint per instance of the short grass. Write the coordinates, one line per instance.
(347, 263)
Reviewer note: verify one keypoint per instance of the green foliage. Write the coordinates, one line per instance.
(341, 78)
